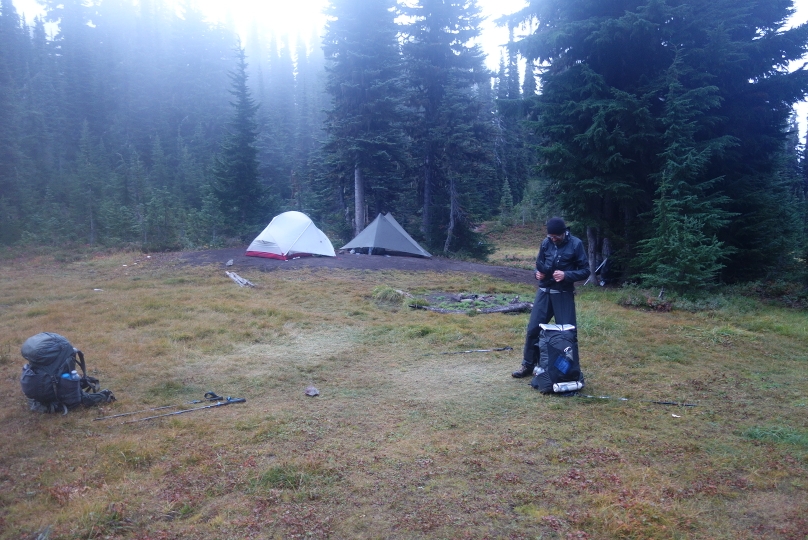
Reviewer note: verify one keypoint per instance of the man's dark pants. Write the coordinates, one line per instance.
(547, 305)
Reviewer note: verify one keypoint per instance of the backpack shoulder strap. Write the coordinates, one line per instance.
(88, 384)
(80, 362)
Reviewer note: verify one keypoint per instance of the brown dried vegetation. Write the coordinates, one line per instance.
(402, 442)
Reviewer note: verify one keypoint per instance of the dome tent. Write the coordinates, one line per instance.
(385, 234)
(289, 235)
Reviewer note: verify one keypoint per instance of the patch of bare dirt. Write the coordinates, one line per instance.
(348, 261)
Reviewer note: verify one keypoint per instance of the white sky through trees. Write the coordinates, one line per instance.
(305, 17)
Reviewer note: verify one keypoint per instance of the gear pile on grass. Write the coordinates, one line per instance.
(458, 303)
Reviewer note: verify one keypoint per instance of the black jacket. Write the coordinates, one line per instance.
(570, 257)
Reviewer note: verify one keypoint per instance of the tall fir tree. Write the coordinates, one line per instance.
(12, 42)
(278, 120)
(80, 83)
(88, 187)
(501, 88)
(512, 75)
(684, 253)
(365, 142)
(42, 115)
(450, 139)
(515, 142)
(235, 170)
(603, 111)
(200, 59)
(529, 88)
(311, 101)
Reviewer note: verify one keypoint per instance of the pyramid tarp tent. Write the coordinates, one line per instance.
(385, 233)
(289, 235)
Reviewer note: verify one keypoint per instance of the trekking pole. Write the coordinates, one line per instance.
(676, 403)
(209, 396)
(480, 350)
(227, 401)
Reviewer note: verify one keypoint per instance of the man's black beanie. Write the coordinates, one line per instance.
(556, 226)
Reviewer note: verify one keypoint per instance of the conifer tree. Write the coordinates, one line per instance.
(235, 171)
(684, 253)
(365, 141)
(529, 88)
(41, 114)
(506, 204)
(515, 143)
(79, 82)
(605, 115)
(88, 186)
(12, 41)
(501, 90)
(451, 140)
(310, 100)
(278, 132)
(117, 78)
(513, 87)
(200, 60)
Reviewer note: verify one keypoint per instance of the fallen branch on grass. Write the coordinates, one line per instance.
(511, 308)
(240, 280)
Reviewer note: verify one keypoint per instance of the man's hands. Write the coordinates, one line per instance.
(558, 275)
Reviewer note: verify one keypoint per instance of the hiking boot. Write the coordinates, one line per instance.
(524, 371)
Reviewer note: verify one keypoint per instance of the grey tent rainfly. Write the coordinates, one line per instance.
(386, 235)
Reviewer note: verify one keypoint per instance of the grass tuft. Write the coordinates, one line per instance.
(5, 353)
(282, 477)
(777, 434)
(388, 295)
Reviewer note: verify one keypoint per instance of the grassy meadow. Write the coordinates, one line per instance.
(403, 441)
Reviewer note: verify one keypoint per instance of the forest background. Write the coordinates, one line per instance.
(663, 131)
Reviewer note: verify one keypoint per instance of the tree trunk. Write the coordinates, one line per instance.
(452, 212)
(359, 201)
(605, 253)
(592, 252)
(426, 218)
(91, 211)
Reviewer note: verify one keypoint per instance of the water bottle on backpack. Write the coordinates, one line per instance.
(73, 375)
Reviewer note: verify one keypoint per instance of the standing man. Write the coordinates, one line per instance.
(561, 262)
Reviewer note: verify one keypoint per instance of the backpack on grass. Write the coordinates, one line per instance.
(559, 369)
(50, 379)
